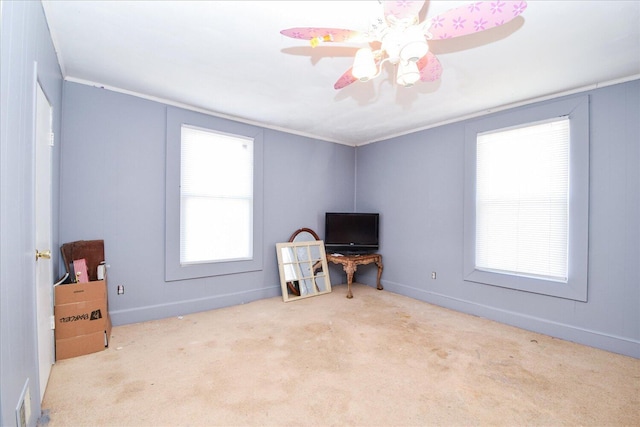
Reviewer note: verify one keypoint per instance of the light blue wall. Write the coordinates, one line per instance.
(25, 41)
(416, 183)
(113, 188)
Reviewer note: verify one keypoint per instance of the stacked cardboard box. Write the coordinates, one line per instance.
(82, 318)
(81, 310)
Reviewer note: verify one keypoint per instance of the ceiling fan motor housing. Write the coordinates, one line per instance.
(405, 44)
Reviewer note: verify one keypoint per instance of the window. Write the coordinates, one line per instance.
(526, 199)
(216, 196)
(522, 205)
(213, 196)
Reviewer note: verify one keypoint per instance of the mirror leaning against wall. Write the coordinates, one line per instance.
(302, 263)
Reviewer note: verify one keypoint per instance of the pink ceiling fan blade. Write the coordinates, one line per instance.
(345, 80)
(475, 17)
(430, 68)
(321, 35)
(402, 9)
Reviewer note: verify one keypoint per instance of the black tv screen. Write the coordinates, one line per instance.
(351, 232)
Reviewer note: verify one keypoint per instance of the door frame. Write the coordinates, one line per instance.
(44, 333)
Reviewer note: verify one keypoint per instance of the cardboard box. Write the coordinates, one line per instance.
(82, 319)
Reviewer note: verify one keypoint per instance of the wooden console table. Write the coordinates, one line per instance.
(350, 264)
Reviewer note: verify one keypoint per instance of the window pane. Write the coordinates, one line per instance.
(216, 164)
(215, 229)
(522, 190)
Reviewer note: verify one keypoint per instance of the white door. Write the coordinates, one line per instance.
(43, 209)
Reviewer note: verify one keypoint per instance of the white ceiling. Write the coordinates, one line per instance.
(228, 58)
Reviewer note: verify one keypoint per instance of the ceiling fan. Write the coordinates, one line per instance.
(399, 38)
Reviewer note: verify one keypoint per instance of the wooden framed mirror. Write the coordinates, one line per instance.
(303, 269)
(304, 235)
(301, 235)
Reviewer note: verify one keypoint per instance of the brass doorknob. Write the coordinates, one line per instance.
(43, 254)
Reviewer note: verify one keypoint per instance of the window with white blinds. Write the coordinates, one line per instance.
(216, 196)
(522, 200)
(526, 199)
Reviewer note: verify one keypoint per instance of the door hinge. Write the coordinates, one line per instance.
(51, 139)
(52, 320)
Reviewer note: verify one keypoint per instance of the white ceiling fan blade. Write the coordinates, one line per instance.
(474, 17)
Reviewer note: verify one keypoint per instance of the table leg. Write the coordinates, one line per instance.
(379, 264)
(350, 270)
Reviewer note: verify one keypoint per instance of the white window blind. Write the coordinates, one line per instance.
(216, 196)
(522, 200)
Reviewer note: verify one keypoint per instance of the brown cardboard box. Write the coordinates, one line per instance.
(82, 318)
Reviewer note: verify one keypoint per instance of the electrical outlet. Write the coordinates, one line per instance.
(433, 274)
(120, 289)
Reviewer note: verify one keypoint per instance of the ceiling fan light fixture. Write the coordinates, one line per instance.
(408, 73)
(413, 51)
(414, 45)
(364, 65)
(392, 42)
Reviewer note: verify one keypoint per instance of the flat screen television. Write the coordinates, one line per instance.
(351, 233)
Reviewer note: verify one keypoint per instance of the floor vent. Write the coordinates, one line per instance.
(23, 410)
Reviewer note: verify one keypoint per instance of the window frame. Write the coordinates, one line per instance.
(174, 270)
(577, 109)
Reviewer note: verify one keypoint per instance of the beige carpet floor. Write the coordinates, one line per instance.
(379, 359)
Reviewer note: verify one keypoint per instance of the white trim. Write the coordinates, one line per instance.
(199, 110)
(355, 144)
(510, 106)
